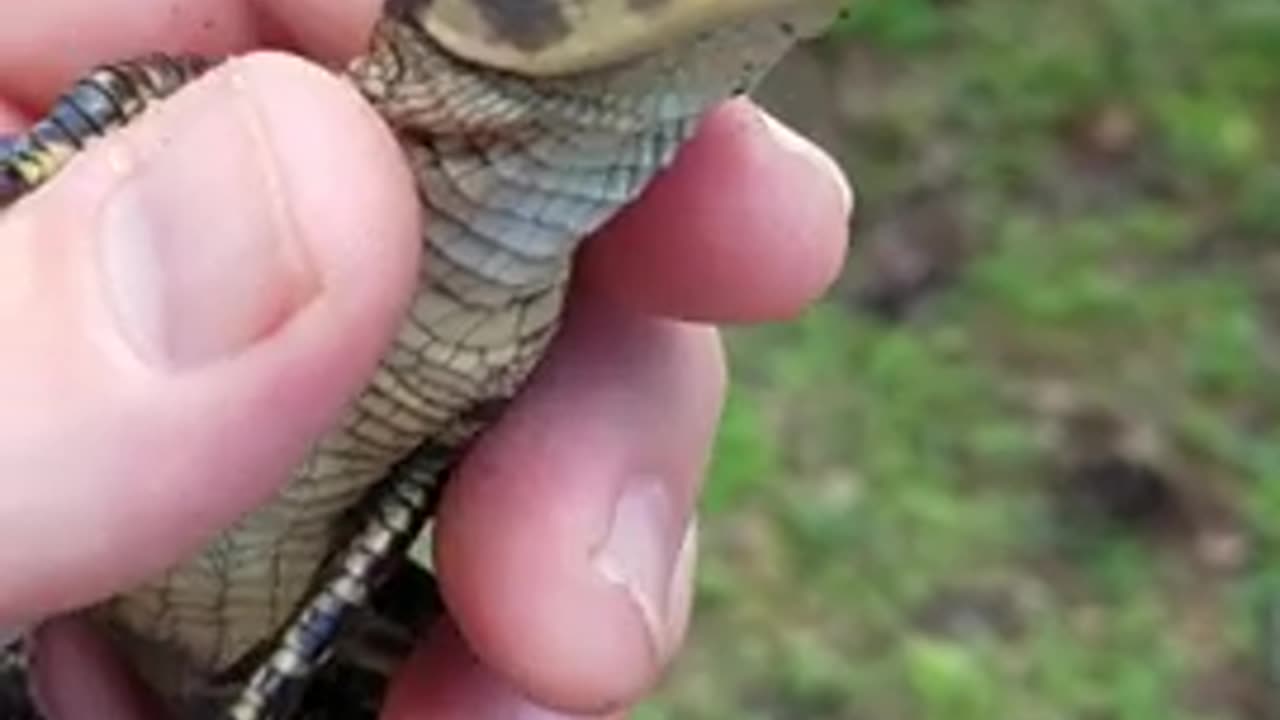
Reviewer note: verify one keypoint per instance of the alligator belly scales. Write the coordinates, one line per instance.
(527, 126)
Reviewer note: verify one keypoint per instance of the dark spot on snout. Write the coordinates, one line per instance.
(644, 6)
(530, 25)
(404, 8)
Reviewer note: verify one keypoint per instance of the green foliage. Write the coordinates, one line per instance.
(951, 681)
(885, 534)
(904, 25)
(745, 454)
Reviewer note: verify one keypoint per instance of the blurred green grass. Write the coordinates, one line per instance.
(896, 524)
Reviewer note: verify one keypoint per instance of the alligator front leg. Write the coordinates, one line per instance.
(107, 98)
(397, 513)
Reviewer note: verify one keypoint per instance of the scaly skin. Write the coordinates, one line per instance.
(513, 173)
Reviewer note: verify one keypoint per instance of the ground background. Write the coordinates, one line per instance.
(1024, 461)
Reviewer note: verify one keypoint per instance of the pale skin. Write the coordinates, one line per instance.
(114, 465)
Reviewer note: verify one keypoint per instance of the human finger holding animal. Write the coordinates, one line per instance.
(486, 554)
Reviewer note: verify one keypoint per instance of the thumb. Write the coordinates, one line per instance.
(183, 310)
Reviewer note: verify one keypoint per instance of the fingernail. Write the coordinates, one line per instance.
(820, 159)
(197, 244)
(641, 555)
(680, 593)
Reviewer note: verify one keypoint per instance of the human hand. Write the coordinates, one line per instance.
(150, 397)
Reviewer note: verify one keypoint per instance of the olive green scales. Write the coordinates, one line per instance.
(527, 124)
